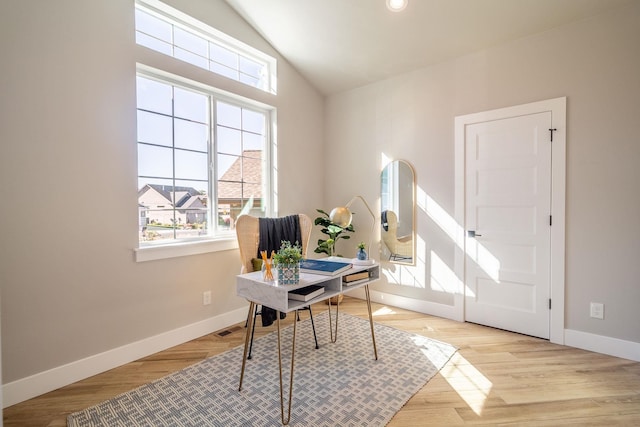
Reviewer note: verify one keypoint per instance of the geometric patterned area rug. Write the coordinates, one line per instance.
(339, 384)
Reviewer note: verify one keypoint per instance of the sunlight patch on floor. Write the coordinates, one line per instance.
(383, 311)
(468, 382)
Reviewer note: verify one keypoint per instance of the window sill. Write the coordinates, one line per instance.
(174, 250)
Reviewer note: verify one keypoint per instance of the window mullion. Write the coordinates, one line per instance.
(173, 144)
(213, 164)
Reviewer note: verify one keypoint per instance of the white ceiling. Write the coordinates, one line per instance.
(342, 44)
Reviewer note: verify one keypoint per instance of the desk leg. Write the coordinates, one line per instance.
(334, 336)
(373, 336)
(293, 353)
(250, 321)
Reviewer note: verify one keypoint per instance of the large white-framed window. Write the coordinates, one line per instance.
(171, 32)
(204, 158)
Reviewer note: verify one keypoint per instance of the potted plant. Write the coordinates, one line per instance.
(333, 231)
(287, 262)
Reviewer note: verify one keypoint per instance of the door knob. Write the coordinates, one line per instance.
(472, 234)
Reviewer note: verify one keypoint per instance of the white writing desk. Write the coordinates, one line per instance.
(268, 293)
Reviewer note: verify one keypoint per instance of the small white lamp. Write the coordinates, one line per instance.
(342, 216)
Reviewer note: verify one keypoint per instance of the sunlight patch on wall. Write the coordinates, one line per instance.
(405, 275)
(440, 216)
(443, 279)
(476, 251)
(384, 160)
(473, 387)
(420, 269)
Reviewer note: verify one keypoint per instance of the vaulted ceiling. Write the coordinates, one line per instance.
(342, 44)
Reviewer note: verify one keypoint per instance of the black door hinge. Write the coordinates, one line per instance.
(552, 131)
(549, 303)
(550, 220)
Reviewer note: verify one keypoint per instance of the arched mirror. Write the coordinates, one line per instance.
(397, 212)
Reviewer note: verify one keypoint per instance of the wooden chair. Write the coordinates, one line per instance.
(248, 234)
(400, 248)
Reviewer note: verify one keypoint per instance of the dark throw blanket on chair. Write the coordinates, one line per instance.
(272, 232)
(383, 220)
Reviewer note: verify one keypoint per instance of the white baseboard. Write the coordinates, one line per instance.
(572, 338)
(420, 306)
(43, 382)
(601, 344)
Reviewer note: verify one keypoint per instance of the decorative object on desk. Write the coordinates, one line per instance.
(337, 385)
(361, 254)
(267, 263)
(307, 293)
(288, 274)
(333, 230)
(342, 217)
(323, 266)
(287, 262)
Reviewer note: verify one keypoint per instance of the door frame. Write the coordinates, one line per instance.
(557, 107)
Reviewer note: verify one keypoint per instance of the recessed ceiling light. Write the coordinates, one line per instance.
(396, 5)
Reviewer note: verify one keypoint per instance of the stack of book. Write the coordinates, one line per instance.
(307, 293)
(352, 279)
(324, 267)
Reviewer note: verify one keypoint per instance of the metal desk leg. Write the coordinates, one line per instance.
(373, 336)
(250, 321)
(334, 337)
(293, 353)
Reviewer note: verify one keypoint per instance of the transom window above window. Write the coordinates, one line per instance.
(166, 30)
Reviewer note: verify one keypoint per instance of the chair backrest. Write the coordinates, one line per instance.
(390, 236)
(398, 246)
(248, 233)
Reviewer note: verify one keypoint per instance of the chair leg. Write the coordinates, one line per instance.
(246, 323)
(253, 330)
(253, 327)
(313, 326)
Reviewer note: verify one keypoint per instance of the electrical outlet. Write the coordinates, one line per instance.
(597, 310)
(206, 298)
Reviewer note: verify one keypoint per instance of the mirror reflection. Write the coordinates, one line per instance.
(397, 211)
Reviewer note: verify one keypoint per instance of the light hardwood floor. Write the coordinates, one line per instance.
(496, 378)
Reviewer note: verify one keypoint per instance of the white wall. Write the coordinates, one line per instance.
(68, 204)
(594, 63)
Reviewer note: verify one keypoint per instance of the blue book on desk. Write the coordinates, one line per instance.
(320, 266)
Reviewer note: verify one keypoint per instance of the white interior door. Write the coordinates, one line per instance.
(508, 206)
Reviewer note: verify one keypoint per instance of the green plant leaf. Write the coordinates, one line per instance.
(335, 229)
